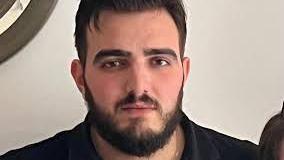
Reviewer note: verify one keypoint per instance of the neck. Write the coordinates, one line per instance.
(171, 151)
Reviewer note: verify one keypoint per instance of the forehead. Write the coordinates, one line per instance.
(133, 31)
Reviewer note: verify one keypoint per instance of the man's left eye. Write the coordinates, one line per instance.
(160, 62)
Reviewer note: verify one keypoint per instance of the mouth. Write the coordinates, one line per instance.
(138, 105)
(138, 109)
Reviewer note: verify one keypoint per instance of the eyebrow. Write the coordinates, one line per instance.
(110, 53)
(122, 53)
(161, 51)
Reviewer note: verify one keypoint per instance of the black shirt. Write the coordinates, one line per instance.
(76, 144)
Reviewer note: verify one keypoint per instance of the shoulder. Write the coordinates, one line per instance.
(227, 146)
(52, 148)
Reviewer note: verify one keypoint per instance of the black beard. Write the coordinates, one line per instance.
(126, 140)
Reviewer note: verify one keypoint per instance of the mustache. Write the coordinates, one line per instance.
(132, 98)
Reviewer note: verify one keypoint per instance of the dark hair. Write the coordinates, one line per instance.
(89, 10)
(272, 137)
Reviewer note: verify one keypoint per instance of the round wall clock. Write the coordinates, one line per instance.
(20, 20)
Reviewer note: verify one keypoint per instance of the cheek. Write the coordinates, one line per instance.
(105, 90)
(168, 90)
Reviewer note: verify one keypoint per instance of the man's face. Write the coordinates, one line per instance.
(133, 70)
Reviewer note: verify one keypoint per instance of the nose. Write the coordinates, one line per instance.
(138, 80)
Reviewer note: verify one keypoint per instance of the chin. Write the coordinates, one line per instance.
(142, 127)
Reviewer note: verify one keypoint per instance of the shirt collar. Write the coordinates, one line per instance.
(80, 143)
(198, 145)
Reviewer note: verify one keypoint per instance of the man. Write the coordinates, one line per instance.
(131, 71)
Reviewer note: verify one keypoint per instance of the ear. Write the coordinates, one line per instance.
(186, 68)
(77, 72)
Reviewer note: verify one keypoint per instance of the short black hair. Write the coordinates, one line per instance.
(271, 138)
(89, 10)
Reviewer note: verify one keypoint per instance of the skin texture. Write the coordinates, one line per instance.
(137, 53)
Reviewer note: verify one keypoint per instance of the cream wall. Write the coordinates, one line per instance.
(236, 81)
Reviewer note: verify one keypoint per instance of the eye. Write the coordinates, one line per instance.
(112, 64)
(160, 62)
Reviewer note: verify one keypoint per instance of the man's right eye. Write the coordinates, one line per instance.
(113, 64)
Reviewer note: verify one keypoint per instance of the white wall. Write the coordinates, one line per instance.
(237, 53)
(236, 81)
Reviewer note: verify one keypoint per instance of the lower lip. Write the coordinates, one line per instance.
(138, 111)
